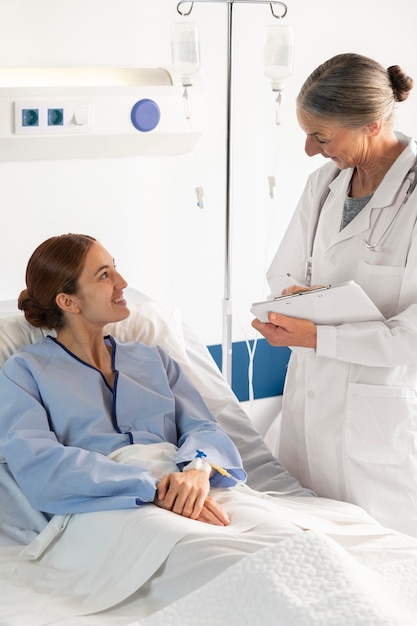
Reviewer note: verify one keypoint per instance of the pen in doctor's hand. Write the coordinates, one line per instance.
(298, 286)
(301, 283)
(301, 287)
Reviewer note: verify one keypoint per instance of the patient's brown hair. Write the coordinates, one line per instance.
(54, 267)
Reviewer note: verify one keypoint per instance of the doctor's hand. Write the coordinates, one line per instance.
(298, 289)
(287, 331)
(186, 493)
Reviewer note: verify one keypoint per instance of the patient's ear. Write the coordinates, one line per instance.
(67, 302)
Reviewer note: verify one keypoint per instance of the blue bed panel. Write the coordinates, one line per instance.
(269, 368)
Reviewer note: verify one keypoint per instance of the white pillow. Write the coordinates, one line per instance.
(16, 332)
(148, 322)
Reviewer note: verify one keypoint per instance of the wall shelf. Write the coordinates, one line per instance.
(87, 112)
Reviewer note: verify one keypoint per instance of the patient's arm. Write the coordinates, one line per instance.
(186, 493)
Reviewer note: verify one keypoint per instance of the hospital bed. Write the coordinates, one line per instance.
(344, 570)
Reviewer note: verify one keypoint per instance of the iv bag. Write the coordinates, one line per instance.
(278, 53)
(185, 50)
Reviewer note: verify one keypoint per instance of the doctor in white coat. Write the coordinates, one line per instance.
(349, 422)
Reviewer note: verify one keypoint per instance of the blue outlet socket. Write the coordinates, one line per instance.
(55, 117)
(30, 117)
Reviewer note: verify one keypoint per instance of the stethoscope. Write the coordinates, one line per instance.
(408, 186)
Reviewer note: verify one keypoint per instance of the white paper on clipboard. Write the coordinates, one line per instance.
(333, 305)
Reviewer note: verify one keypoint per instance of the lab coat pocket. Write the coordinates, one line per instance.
(379, 423)
(382, 283)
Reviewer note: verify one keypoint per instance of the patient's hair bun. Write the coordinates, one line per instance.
(36, 314)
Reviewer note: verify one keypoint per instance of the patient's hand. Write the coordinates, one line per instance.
(186, 493)
(212, 513)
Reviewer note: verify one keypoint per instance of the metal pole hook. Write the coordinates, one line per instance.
(282, 5)
(272, 4)
(184, 13)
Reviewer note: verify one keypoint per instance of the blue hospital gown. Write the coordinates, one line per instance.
(60, 419)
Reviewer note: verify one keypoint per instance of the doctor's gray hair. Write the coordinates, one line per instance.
(354, 90)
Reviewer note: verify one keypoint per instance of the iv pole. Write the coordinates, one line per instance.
(227, 301)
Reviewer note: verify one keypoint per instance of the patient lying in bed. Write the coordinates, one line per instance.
(144, 488)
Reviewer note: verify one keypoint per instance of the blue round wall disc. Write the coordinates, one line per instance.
(145, 115)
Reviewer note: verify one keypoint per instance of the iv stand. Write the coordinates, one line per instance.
(227, 302)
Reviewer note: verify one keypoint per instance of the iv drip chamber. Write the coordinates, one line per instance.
(278, 53)
(185, 50)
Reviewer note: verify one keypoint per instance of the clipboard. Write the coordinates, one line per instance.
(332, 304)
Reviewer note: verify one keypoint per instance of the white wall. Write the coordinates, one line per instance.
(144, 209)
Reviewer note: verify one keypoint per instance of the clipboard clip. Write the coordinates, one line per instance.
(302, 292)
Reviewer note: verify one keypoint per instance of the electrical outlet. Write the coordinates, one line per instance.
(55, 117)
(41, 117)
(30, 117)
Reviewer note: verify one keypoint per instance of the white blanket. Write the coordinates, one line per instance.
(306, 580)
(283, 561)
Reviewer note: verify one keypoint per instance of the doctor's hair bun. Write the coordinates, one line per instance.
(36, 314)
(402, 84)
(354, 90)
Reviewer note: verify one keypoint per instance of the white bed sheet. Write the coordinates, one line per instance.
(307, 561)
(307, 580)
(333, 565)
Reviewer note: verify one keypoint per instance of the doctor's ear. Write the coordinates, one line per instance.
(67, 302)
(374, 128)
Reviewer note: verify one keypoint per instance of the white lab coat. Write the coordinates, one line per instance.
(349, 423)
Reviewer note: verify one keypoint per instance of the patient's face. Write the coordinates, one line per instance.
(100, 294)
